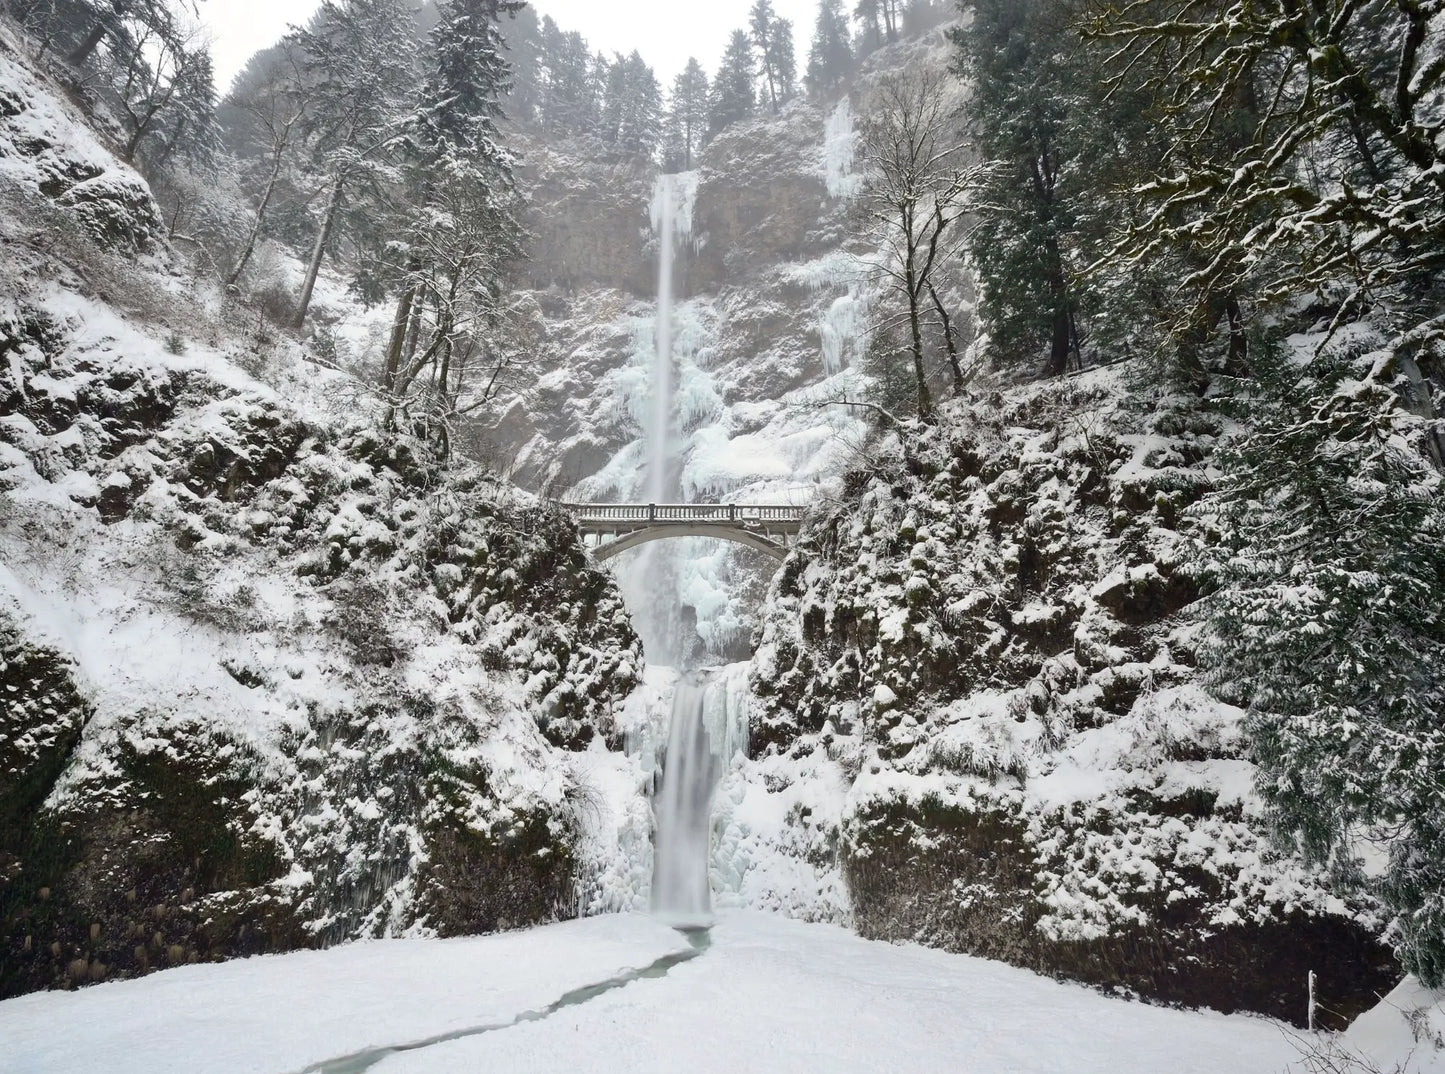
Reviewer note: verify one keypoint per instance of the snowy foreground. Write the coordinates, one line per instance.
(763, 994)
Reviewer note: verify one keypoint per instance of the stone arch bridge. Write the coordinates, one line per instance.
(616, 528)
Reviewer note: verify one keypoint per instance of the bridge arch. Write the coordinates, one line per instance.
(637, 538)
(620, 527)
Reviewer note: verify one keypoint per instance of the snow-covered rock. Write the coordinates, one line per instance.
(269, 678)
(976, 681)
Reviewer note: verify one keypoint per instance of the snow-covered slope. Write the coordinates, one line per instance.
(270, 678)
(765, 995)
(978, 714)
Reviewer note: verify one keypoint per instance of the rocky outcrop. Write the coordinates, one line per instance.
(990, 640)
(48, 153)
(268, 678)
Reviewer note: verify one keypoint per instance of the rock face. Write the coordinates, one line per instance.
(988, 646)
(46, 149)
(268, 679)
(775, 293)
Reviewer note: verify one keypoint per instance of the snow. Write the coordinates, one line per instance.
(767, 994)
(283, 1013)
(840, 148)
(1405, 1034)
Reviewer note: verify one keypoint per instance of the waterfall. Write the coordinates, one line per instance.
(700, 737)
(659, 453)
(683, 808)
(708, 729)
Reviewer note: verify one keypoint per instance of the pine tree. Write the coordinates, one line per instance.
(871, 35)
(1328, 560)
(784, 59)
(687, 119)
(569, 94)
(461, 99)
(640, 130)
(762, 21)
(631, 107)
(525, 54)
(1020, 119)
(830, 59)
(359, 64)
(733, 98)
(465, 193)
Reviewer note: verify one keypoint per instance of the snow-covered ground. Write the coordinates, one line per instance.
(766, 994)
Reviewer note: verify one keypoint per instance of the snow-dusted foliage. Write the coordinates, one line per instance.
(978, 704)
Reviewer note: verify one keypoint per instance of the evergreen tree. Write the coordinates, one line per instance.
(762, 21)
(461, 98)
(1020, 119)
(464, 191)
(523, 34)
(784, 59)
(359, 63)
(830, 59)
(1326, 626)
(570, 103)
(733, 98)
(687, 118)
(632, 107)
(871, 35)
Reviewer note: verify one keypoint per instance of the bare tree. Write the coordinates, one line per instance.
(917, 178)
(158, 69)
(276, 109)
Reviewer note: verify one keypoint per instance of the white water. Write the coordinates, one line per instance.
(683, 808)
(659, 453)
(694, 757)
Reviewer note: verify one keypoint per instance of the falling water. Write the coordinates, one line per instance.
(659, 439)
(692, 763)
(683, 808)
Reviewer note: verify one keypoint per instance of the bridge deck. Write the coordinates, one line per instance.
(623, 518)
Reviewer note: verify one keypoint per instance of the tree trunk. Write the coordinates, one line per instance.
(83, 51)
(915, 328)
(1062, 345)
(1059, 348)
(260, 222)
(400, 327)
(133, 142)
(313, 269)
(950, 340)
(1237, 365)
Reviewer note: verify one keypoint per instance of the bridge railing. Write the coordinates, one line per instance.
(737, 513)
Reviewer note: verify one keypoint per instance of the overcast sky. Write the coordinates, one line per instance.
(666, 32)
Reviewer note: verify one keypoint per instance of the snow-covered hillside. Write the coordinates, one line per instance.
(978, 713)
(270, 678)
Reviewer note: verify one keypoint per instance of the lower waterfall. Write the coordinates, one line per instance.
(708, 728)
(683, 808)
